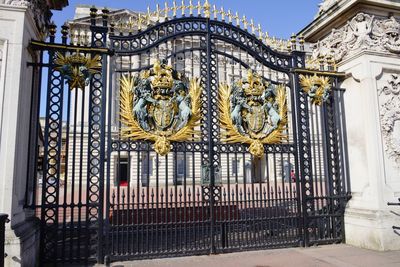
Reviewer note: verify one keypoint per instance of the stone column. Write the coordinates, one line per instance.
(364, 40)
(20, 21)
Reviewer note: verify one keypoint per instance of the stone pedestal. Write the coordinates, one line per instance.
(373, 116)
(363, 38)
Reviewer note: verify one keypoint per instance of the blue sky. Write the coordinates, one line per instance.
(279, 17)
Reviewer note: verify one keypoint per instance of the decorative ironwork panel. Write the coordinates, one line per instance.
(50, 195)
(185, 135)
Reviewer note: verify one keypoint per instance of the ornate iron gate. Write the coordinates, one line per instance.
(191, 136)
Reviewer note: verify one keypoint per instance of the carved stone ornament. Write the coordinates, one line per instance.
(160, 105)
(325, 5)
(39, 8)
(389, 96)
(363, 32)
(23, 3)
(253, 112)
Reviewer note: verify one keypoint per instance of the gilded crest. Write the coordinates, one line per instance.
(160, 105)
(77, 69)
(253, 112)
(316, 87)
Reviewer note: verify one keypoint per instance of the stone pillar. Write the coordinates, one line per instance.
(20, 21)
(363, 37)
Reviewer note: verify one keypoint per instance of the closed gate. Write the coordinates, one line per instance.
(169, 135)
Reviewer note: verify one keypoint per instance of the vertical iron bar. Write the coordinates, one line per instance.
(210, 139)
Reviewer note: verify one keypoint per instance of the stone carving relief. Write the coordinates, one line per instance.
(389, 97)
(41, 11)
(363, 32)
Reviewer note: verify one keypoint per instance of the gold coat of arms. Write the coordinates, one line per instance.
(160, 105)
(253, 112)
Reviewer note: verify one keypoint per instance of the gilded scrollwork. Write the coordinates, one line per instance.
(253, 112)
(77, 69)
(160, 105)
(316, 87)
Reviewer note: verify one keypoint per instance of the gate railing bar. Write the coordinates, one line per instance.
(294, 104)
(64, 223)
(49, 46)
(52, 164)
(304, 152)
(210, 138)
(35, 132)
(395, 228)
(106, 225)
(3, 220)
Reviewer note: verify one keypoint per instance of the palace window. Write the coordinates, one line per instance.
(146, 169)
(122, 171)
(234, 167)
(182, 168)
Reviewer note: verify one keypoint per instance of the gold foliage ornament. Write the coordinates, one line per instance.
(316, 87)
(161, 106)
(77, 69)
(253, 112)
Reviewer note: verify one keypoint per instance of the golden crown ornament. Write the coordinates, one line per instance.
(253, 112)
(77, 69)
(160, 105)
(318, 88)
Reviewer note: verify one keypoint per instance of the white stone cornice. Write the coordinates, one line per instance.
(21, 3)
(326, 5)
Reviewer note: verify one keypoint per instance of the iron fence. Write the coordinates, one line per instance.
(104, 196)
(395, 227)
(3, 220)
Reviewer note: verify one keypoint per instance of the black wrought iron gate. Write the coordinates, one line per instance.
(121, 178)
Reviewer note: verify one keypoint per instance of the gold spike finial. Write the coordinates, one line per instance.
(198, 8)
(259, 31)
(206, 8)
(139, 22)
(183, 7)
(252, 26)
(130, 24)
(166, 9)
(245, 22)
(174, 8)
(215, 12)
(191, 6)
(222, 12)
(266, 38)
(289, 46)
(158, 12)
(229, 16)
